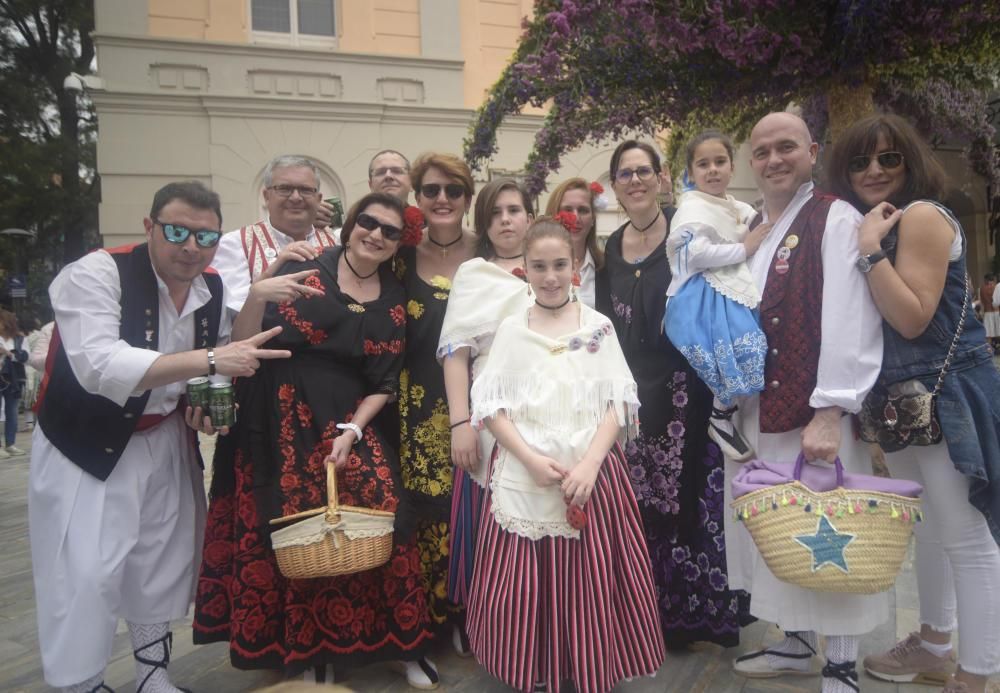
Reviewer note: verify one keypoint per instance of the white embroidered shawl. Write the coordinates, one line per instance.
(556, 392)
(718, 220)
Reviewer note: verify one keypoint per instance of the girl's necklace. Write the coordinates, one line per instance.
(444, 246)
(359, 278)
(510, 257)
(554, 309)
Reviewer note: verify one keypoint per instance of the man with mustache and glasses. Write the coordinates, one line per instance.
(116, 501)
(389, 172)
(294, 229)
(824, 353)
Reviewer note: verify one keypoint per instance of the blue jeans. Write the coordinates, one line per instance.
(10, 400)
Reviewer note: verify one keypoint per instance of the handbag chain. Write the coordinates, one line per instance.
(954, 342)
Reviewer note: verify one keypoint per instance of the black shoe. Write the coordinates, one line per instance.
(845, 672)
(168, 643)
(732, 444)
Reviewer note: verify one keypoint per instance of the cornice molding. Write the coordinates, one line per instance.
(253, 50)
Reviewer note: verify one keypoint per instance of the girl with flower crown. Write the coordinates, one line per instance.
(562, 588)
(575, 196)
(486, 289)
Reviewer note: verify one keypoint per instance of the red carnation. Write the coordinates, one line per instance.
(596, 188)
(413, 226)
(569, 220)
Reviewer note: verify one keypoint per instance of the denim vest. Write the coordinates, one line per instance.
(904, 359)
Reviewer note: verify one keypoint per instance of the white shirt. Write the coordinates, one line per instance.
(86, 299)
(587, 291)
(231, 262)
(850, 356)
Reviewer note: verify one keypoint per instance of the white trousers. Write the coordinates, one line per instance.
(957, 558)
(790, 606)
(128, 547)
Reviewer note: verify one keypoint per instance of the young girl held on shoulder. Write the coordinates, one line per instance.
(711, 315)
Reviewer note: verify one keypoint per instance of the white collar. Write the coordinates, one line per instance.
(801, 195)
(283, 238)
(198, 294)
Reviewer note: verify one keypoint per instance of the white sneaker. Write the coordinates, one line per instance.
(4, 454)
(13, 451)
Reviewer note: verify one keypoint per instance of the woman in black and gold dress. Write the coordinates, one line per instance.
(677, 473)
(345, 326)
(443, 188)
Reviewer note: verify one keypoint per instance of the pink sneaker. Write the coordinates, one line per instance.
(908, 662)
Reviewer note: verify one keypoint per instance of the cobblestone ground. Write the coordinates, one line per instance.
(204, 669)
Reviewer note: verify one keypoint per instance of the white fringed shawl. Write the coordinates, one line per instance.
(719, 220)
(556, 392)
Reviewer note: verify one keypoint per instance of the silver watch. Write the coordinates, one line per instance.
(866, 262)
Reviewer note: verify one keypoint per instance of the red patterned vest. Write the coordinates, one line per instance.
(791, 317)
(261, 250)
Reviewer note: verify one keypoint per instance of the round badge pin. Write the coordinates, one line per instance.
(792, 241)
(784, 253)
(270, 253)
(781, 266)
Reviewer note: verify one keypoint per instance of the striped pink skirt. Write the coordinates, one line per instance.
(559, 609)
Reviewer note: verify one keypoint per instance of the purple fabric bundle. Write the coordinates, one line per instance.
(758, 474)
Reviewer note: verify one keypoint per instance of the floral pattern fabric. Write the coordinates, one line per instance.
(425, 432)
(275, 460)
(675, 470)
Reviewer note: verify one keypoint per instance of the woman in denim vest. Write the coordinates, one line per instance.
(913, 253)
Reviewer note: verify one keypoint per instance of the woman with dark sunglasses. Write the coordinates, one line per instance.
(443, 189)
(913, 253)
(345, 327)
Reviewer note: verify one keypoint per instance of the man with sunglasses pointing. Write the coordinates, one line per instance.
(116, 500)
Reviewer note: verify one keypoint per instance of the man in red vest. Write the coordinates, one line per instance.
(294, 228)
(116, 500)
(824, 353)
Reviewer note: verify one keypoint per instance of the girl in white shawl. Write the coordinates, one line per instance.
(711, 314)
(562, 587)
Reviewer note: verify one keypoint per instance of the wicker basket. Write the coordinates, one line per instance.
(845, 540)
(330, 551)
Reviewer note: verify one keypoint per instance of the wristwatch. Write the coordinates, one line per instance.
(866, 262)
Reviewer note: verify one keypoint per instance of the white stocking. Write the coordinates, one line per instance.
(840, 673)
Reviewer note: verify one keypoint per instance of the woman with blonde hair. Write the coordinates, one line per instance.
(579, 197)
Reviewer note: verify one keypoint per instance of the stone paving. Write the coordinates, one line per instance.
(704, 668)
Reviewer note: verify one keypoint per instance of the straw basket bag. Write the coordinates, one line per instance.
(336, 540)
(844, 540)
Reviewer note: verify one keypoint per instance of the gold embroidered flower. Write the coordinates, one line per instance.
(414, 309)
(439, 282)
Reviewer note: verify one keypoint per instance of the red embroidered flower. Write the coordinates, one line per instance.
(248, 514)
(413, 226)
(406, 615)
(306, 633)
(314, 282)
(569, 221)
(217, 553)
(304, 413)
(253, 622)
(339, 611)
(519, 273)
(400, 566)
(258, 574)
(398, 314)
(596, 188)
(576, 278)
(216, 607)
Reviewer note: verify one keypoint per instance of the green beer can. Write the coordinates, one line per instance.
(221, 405)
(197, 392)
(338, 212)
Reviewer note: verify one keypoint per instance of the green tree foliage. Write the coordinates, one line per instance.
(47, 135)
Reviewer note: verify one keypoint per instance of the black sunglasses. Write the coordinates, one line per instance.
(452, 190)
(178, 235)
(887, 160)
(370, 223)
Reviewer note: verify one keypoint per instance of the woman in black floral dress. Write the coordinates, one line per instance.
(346, 332)
(677, 474)
(443, 189)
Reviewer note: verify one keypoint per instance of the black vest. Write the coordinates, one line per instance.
(91, 430)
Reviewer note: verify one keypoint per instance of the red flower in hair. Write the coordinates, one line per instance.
(519, 273)
(596, 188)
(569, 220)
(413, 226)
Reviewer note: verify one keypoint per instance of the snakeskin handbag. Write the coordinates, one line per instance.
(896, 421)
